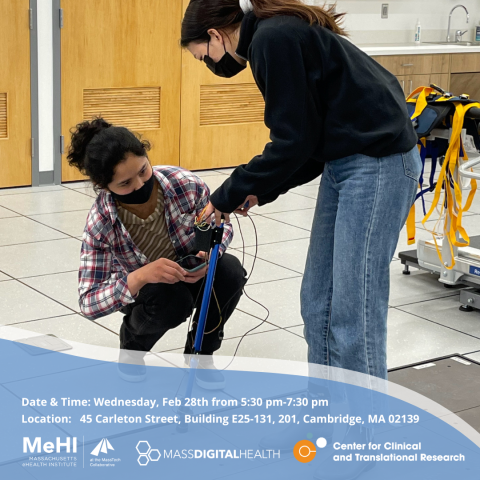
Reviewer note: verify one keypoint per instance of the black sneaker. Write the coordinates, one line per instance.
(131, 366)
(210, 378)
(206, 375)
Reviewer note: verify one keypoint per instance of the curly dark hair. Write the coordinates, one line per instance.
(97, 147)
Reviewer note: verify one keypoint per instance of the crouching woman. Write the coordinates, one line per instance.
(141, 224)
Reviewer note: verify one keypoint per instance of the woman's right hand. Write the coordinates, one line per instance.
(159, 271)
(163, 271)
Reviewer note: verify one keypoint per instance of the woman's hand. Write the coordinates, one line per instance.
(244, 208)
(159, 271)
(210, 210)
(199, 274)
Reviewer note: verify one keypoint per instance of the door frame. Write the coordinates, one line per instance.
(57, 20)
(34, 110)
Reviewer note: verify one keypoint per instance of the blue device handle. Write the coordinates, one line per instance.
(207, 293)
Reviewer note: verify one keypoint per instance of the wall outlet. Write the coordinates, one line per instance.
(384, 10)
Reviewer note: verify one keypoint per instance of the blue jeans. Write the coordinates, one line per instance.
(362, 205)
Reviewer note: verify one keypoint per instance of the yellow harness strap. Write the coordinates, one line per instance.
(453, 212)
(411, 228)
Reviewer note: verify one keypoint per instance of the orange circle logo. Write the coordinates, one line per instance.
(304, 451)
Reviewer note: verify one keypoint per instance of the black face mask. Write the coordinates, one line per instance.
(226, 67)
(137, 197)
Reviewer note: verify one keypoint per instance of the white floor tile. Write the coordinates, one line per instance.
(63, 200)
(307, 190)
(213, 181)
(286, 203)
(75, 328)
(207, 173)
(474, 356)
(412, 339)
(5, 213)
(225, 171)
(281, 298)
(297, 330)
(75, 185)
(23, 190)
(296, 218)
(62, 287)
(275, 344)
(237, 326)
(267, 231)
(19, 230)
(416, 287)
(71, 223)
(445, 311)
(4, 277)
(290, 254)
(41, 258)
(262, 271)
(19, 303)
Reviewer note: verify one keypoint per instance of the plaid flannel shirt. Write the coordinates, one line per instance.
(108, 253)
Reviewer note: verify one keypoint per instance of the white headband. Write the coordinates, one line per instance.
(246, 6)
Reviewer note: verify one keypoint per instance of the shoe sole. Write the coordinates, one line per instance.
(132, 378)
(210, 385)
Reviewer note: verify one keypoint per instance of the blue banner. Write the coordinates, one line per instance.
(69, 417)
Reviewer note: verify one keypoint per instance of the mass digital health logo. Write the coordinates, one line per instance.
(147, 453)
(103, 447)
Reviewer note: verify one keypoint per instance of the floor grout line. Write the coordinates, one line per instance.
(425, 301)
(38, 319)
(436, 323)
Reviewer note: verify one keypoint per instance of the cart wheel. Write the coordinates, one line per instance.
(466, 308)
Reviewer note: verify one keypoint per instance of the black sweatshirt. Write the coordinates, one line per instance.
(324, 100)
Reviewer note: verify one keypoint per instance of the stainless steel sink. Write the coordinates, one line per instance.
(459, 44)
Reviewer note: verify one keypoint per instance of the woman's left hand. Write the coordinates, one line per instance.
(249, 202)
(199, 274)
(210, 210)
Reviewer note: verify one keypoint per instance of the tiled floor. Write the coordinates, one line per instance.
(40, 238)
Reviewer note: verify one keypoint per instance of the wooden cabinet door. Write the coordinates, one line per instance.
(465, 62)
(441, 79)
(403, 82)
(15, 112)
(468, 83)
(415, 81)
(415, 64)
(122, 60)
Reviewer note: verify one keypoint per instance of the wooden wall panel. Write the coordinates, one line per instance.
(127, 49)
(3, 116)
(229, 104)
(134, 108)
(15, 111)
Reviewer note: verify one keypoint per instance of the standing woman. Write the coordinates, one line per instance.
(331, 108)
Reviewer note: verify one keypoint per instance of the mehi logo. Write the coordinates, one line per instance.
(103, 447)
(70, 444)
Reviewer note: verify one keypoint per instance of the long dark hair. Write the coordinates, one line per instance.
(202, 15)
(97, 147)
